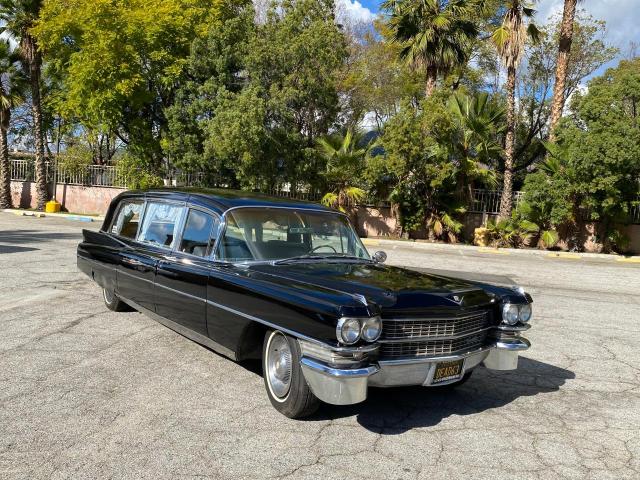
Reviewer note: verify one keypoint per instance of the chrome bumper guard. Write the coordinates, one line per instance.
(346, 386)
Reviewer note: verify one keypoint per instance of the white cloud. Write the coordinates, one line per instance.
(352, 11)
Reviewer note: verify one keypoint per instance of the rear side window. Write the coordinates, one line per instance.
(128, 219)
(198, 233)
(161, 223)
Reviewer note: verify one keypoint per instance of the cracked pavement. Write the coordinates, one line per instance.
(89, 393)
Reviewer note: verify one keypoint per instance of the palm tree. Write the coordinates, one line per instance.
(475, 142)
(345, 161)
(12, 85)
(433, 35)
(510, 38)
(19, 16)
(562, 62)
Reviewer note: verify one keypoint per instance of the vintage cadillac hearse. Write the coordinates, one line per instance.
(291, 283)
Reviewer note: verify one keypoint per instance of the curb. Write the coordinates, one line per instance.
(66, 216)
(472, 249)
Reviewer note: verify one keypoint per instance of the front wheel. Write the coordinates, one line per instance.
(286, 386)
(113, 303)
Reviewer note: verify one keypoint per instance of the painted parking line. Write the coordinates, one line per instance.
(564, 256)
(494, 251)
(368, 241)
(628, 259)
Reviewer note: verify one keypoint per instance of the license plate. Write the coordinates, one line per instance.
(446, 371)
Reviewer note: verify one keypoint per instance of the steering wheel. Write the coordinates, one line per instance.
(323, 246)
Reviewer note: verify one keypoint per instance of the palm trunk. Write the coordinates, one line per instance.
(506, 202)
(36, 107)
(432, 78)
(564, 49)
(5, 171)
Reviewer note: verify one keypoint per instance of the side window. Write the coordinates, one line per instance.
(198, 233)
(128, 219)
(161, 223)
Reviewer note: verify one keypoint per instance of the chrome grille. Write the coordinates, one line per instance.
(434, 327)
(431, 347)
(433, 335)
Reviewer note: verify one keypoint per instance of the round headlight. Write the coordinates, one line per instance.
(525, 313)
(348, 330)
(371, 329)
(510, 313)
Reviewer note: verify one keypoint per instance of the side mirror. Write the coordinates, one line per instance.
(379, 257)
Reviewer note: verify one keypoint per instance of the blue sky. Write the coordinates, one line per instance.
(622, 17)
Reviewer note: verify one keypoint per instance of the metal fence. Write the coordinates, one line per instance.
(488, 201)
(484, 201)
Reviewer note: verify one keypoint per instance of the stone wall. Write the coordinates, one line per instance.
(74, 198)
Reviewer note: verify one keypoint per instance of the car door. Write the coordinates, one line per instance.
(134, 270)
(156, 237)
(182, 275)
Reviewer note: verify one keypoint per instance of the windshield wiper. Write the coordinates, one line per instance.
(317, 256)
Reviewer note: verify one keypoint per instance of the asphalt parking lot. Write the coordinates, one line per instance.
(89, 393)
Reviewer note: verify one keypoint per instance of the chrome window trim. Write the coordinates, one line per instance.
(216, 224)
(123, 201)
(223, 229)
(180, 221)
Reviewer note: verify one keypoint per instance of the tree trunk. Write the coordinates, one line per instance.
(38, 134)
(5, 171)
(432, 77)
(506, 202)
(564, 49)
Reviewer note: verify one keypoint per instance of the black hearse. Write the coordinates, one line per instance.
(292, 284)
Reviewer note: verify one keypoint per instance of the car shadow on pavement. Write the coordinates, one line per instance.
(19, 237)
(14, 249)
(391, 411)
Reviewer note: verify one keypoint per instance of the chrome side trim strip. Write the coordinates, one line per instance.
(137, 277)
(97, 263)
(179, 292)
(365, 348)
(185, 332)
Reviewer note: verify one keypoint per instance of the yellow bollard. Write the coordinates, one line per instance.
(52, 206)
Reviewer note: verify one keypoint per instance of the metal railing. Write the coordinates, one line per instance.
(488, 201)
(484, 201)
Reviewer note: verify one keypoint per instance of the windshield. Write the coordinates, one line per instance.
(264, 234)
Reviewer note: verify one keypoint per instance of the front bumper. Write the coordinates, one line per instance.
(346, 386)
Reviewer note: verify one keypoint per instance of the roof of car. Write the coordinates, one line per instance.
(222, 200)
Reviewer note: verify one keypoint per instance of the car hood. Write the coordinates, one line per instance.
(385, 286)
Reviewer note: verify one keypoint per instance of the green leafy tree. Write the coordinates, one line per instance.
(12, 89)
(510, 38)
(121, 63)
(434, 36)
(19, 18)
(374, 80)
(345, 159)
(602, 145)
(475, 140)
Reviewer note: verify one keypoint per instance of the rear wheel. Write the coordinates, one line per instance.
(113, 302)
(287, 389)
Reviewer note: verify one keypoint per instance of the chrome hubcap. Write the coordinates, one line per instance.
(108, 296)
(279, 365)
